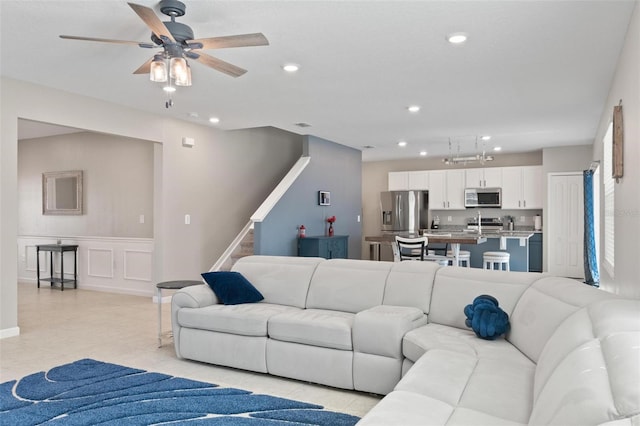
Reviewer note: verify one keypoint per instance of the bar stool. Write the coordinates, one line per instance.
(463, 256)
(490, 258)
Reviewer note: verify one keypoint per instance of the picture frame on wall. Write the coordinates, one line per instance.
(324, 198)
(617, 168)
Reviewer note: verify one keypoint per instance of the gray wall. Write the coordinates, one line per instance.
(626, 88)
(117, 185)
(334, 168)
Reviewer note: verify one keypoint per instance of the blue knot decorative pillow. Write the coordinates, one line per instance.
(485, 317)
(232, 288)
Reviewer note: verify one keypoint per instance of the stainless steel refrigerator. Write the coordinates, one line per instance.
(404, 211)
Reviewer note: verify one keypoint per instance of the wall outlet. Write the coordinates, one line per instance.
(141, 218)
(187, 219)
(358, 218)
(449, 219)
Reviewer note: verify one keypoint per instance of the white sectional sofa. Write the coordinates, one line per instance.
(572, 355)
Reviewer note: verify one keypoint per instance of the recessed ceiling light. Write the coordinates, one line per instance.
(214, 120)
(291, 67)
(402, 144)
(485, 137)
(414, 108)
(169, 89)
(457, 38)
(497, 148)
(193, 115)
(423, 153)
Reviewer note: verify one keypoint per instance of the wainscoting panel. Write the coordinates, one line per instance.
(100, 262)
(138, 265)
(116, 265)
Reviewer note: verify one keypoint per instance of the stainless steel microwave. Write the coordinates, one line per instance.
(483, 197)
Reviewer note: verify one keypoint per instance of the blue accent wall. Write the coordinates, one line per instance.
(334, 168)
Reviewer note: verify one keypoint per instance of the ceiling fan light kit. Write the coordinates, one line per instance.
(178, 43)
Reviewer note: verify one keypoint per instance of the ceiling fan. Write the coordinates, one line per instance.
(178, 43)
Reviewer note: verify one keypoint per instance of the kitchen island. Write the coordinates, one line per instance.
(455, 239)
(516, 243)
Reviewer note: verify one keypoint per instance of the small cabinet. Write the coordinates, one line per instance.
(535, 253)
(522, 187)
(484, 178)
(398, 181)
(336, 247)
(446, 190)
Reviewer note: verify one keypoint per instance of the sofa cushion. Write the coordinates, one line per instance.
(407, 409)
(247, 319)
(410, 284)
(315, 327)
(232, 288)
(379, 330)
(543, 307)
(462, 341)
(348, 285)
(281, 280)
(589, 370)
(497, 387)
(454, 288)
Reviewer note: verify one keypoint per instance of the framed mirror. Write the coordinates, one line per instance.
(62, 193)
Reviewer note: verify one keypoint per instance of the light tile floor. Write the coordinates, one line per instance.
(60, 327)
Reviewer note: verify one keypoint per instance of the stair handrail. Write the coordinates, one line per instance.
(261, 213)
(280, 189)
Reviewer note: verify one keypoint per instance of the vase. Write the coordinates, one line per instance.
(331, 229)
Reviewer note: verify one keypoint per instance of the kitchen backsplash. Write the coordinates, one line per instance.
(523, 219)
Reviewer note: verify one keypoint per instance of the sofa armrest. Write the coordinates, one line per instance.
(196, 296)
(379, 330)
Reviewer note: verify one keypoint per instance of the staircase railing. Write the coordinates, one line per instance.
(261, 213)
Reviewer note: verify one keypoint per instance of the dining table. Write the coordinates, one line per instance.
(452, 238)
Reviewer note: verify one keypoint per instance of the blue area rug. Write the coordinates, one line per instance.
(89, 392)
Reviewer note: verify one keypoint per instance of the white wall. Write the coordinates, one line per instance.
(625, 87)
(220, 181)
(117, 185)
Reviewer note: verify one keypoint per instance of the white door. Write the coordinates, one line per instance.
(455, 189)
(437, 185)
(511, 188)
(398, 181)
(566, 225)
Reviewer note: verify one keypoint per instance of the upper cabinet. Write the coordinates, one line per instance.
(446, 189)
(483, 178)
(419, 180)
(402, 181)
(398, 181)
(522, 187)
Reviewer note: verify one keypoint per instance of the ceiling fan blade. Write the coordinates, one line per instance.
(153, 22)
(220, 65)
(108, 40)
(144, 68)
(241, 40)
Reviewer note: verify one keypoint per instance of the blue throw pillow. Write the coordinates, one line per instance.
(485, 318)
(232, 288)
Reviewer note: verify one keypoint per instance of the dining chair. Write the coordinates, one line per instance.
(409, 248)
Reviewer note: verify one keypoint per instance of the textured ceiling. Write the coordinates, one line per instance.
(533, 74)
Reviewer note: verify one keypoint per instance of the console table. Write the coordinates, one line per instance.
(336, 247)
(58, 248)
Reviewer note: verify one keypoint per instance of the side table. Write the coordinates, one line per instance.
(59, 248)
(169, 285)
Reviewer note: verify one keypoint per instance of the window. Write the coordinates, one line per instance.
(609, 204)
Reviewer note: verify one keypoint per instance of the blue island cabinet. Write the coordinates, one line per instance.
(336, 247)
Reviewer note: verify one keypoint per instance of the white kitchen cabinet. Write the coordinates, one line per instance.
(446, 189)
(522, 187)
(419, 180)
(483, 177)
(398, 181)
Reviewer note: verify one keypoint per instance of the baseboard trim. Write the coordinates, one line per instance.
(9, 332)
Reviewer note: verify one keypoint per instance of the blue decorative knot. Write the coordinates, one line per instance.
(485, 318)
